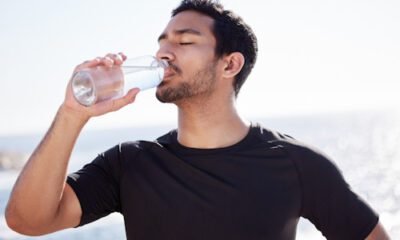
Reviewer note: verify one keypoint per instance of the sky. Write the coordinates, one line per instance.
(314, 56)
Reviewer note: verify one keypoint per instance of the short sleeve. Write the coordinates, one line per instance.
(328, 201)
(97, 186)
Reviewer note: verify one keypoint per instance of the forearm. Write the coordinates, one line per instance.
(378, 233)
(40, 202)
(37, 193)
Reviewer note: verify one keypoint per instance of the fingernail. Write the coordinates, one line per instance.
(119, 58)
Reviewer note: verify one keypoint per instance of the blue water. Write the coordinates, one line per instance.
(365, 146)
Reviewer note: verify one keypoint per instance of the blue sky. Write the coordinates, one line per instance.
(314, 56)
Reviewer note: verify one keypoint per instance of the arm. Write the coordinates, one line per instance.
(41, 202)
(378, 233)
(330, 204)
(34, 207)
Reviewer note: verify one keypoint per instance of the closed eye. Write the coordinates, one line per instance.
(185, 43)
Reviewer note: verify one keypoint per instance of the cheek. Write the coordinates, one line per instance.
(205, 51)
(197, 57)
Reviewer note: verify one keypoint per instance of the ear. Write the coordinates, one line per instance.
(233, 63)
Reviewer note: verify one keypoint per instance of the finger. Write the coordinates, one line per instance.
(116, 58)
(131, 94)
(127, 99)
(107, 61)
(89, 63)
(124, 57)
(116, 104)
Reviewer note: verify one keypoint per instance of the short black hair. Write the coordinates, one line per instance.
(231, 32)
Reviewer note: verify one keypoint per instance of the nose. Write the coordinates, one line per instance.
(165, 53)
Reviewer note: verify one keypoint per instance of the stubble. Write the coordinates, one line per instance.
(201, 83)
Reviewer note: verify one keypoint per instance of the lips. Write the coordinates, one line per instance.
(168, 72)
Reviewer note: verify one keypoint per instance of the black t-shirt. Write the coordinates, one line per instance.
(255, 189)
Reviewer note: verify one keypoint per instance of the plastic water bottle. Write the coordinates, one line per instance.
(93, 85)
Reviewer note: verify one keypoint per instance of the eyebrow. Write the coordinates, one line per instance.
(180, 32)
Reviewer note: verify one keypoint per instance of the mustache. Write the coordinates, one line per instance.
(174, 67)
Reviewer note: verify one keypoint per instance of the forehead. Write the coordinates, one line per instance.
(190, 20)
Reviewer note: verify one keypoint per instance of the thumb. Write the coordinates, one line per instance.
(114, 104)
(131, 95)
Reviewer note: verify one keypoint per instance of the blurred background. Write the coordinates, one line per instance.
(325, 74)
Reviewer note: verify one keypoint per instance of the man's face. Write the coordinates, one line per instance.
(188, 44)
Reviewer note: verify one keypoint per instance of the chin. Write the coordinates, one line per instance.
(159, 95)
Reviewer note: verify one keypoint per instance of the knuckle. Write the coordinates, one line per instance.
(82, 64)
(108, 59)
(111, 55)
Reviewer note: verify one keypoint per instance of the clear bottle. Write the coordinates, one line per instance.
(93, 85)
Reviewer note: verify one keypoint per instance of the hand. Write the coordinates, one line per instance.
(104, 107)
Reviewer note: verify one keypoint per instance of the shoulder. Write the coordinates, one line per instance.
(132, 148)
(294, 146)
(307, 158)
(144, 145)
(167, 139)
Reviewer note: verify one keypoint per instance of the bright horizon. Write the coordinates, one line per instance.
(314, 57)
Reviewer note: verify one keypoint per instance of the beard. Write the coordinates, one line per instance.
(201, 83)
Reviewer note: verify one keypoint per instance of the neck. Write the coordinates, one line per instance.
(210, 125)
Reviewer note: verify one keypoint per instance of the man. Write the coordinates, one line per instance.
(215, 177)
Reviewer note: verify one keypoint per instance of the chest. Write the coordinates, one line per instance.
(237, 195)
